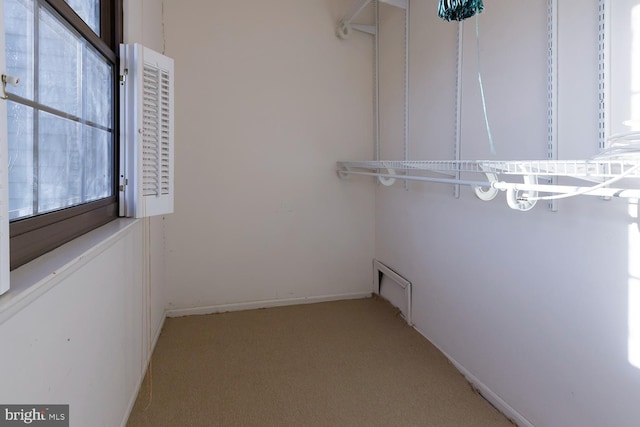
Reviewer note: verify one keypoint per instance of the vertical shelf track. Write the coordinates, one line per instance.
(458, 121)
(406, 86)
(603, 61)
(376, 79)
(603, 84)
(552, 90)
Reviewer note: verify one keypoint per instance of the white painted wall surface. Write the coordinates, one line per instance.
(81, 343)
(267, 99)
(85, 341)
(537, 307)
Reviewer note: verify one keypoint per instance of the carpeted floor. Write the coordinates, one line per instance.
(345, 363)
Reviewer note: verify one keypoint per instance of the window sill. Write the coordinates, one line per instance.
(37, 277)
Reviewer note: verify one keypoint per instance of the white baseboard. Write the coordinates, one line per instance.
(132, 400)
(485, 391)
(262, 304)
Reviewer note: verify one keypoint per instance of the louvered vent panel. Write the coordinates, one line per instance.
(151, 132)
(165, 133)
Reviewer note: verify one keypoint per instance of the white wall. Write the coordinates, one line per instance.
(267, 100)
(536, 307)
(85, 341)
(81, 343)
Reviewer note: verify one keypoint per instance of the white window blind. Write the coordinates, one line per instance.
(147, 134)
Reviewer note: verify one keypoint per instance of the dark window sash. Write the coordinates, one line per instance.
(106, 44)
(33, 237)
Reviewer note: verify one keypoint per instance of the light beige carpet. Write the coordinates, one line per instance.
(345, 363)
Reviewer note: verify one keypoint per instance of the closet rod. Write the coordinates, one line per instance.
(520, 196)
(591, 170)
(502, 185)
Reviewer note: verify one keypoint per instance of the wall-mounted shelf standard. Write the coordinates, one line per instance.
(520, 196)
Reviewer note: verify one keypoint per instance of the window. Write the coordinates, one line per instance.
(62, 120)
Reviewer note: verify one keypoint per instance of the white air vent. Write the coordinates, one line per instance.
(379, 270)
(147, 134)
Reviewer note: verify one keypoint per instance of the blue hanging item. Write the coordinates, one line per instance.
(457, 10)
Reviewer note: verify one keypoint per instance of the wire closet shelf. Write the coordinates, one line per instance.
(485, 176)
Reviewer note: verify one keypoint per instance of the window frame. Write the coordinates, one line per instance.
(34, 236)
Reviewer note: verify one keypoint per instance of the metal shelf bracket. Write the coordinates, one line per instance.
(346, 26)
